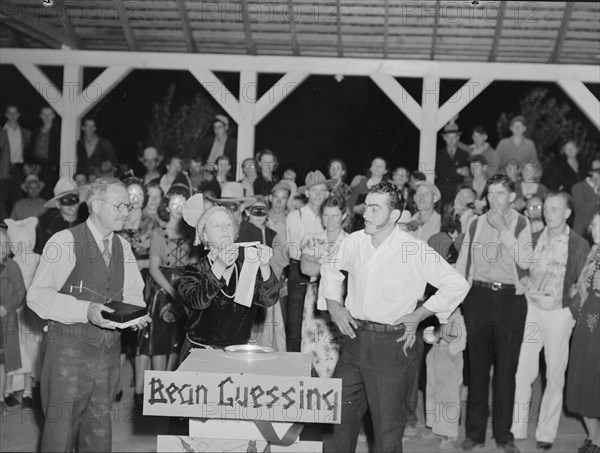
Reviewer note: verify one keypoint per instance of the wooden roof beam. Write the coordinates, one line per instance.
(386, 28)
(583, 97)
(562, 33)
(40, 31)
(498, 32)
(292, 18)
(126, 26)
(68, 25)
(187, 28)
(15, 38)
(436, 23)
(250, 46)
(340, 44)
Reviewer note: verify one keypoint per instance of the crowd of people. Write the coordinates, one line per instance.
(502, 250)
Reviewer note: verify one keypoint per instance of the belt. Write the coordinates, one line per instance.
(378, 327)
(495, 286)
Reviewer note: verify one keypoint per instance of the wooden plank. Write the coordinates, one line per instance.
(340, 45)
(217, 90)
(386, 29)
(126, 26)
(38, 30)
(277, 93)
(293, 33)
(459, 100)
(250, 47)
(187, 29)
(428, 137)
(99, 88)
(43, 85)
(231, 396)
(67, 25)
(498, 31)
(562, 33)
(400, 97)
(435, 30)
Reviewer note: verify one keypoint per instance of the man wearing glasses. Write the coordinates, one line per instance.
(64, 211)
(87, 267)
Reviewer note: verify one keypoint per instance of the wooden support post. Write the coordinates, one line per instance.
(43, 85)
(246, 128)
(463, 97)
(69, 132)
(400, 97)
(277, 93)
(583, 97)
(428, 140)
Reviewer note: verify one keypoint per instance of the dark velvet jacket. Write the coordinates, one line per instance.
(215, 319)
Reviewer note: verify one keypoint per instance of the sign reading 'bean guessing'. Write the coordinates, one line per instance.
(242, 397)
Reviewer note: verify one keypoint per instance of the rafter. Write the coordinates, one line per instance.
(250, 46)
(562, 33)
(15, 38)
(68, 25)
(294, 36)
(340, 44)
(386, 28)
(498, 31)
(187, 28)
(126, 26)
(436, 23)
(40, 31)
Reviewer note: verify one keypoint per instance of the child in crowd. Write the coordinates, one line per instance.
(444, 378)
(12, 297)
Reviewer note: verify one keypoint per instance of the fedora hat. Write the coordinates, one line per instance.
(66, 186)
(31, 179)
(232, 192)
(314, 178)
(451, 128)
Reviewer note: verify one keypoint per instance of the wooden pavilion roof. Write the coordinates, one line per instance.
(516, 32)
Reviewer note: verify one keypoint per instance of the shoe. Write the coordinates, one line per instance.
(10, 400)
(119, 396)
(447, 444)
(593, 448)
(469, 444)
(585, 446)
(138, 400)
(543, 445)
(26, 402)
(508, 447)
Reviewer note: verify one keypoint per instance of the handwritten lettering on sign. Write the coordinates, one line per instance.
(242, 397)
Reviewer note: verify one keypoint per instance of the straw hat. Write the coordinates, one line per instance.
(314, 178)
(232, 192)
(66, 186)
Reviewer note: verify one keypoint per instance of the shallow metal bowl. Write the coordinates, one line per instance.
(249, 351)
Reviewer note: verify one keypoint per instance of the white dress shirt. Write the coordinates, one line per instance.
(15, 143)
(299, 225)
(57, 263)
(385, 283)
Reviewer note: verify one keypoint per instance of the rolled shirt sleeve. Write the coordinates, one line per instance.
(56, 264)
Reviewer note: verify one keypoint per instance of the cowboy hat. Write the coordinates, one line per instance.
(314, 178)
(66, 186)
(232, 192)
(31, 178)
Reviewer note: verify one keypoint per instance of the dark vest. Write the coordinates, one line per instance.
(92, 281)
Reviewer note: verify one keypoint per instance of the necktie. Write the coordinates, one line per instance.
(106, 252)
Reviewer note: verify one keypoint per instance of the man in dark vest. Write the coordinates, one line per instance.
(81, 269)
(495, 256)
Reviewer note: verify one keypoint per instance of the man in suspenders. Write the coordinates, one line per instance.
(495, 256)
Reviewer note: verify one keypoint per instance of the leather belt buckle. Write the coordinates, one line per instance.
(496, 286)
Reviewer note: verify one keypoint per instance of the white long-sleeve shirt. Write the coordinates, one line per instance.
(299, 225)
(385, 283)
(57, 263)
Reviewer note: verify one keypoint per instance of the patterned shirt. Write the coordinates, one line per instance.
(547, 273)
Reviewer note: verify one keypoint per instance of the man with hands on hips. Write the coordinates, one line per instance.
(81, 269)
(388, 270)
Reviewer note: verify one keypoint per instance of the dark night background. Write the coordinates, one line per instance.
(321, 119)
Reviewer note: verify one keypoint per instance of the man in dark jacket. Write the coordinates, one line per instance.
(92, 149)
(44, 149)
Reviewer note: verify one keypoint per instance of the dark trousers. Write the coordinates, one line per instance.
(495, 323)
(78, 385)
(375, 374)
(297, 282)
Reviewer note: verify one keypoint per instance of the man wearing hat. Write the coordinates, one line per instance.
(299, 224)
(427, 221)
(32, 205)
(151, 160)
(221, 145)
(451, 163)
(586, 200)
(517, 148)
(63, 211)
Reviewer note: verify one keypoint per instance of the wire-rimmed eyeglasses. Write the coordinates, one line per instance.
(121, 207)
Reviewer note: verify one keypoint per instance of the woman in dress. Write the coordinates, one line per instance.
(136, 231)
(219, 316)
(583, 380)
(361, 184)
(154, 197)
(320, 337)
(170, 251)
